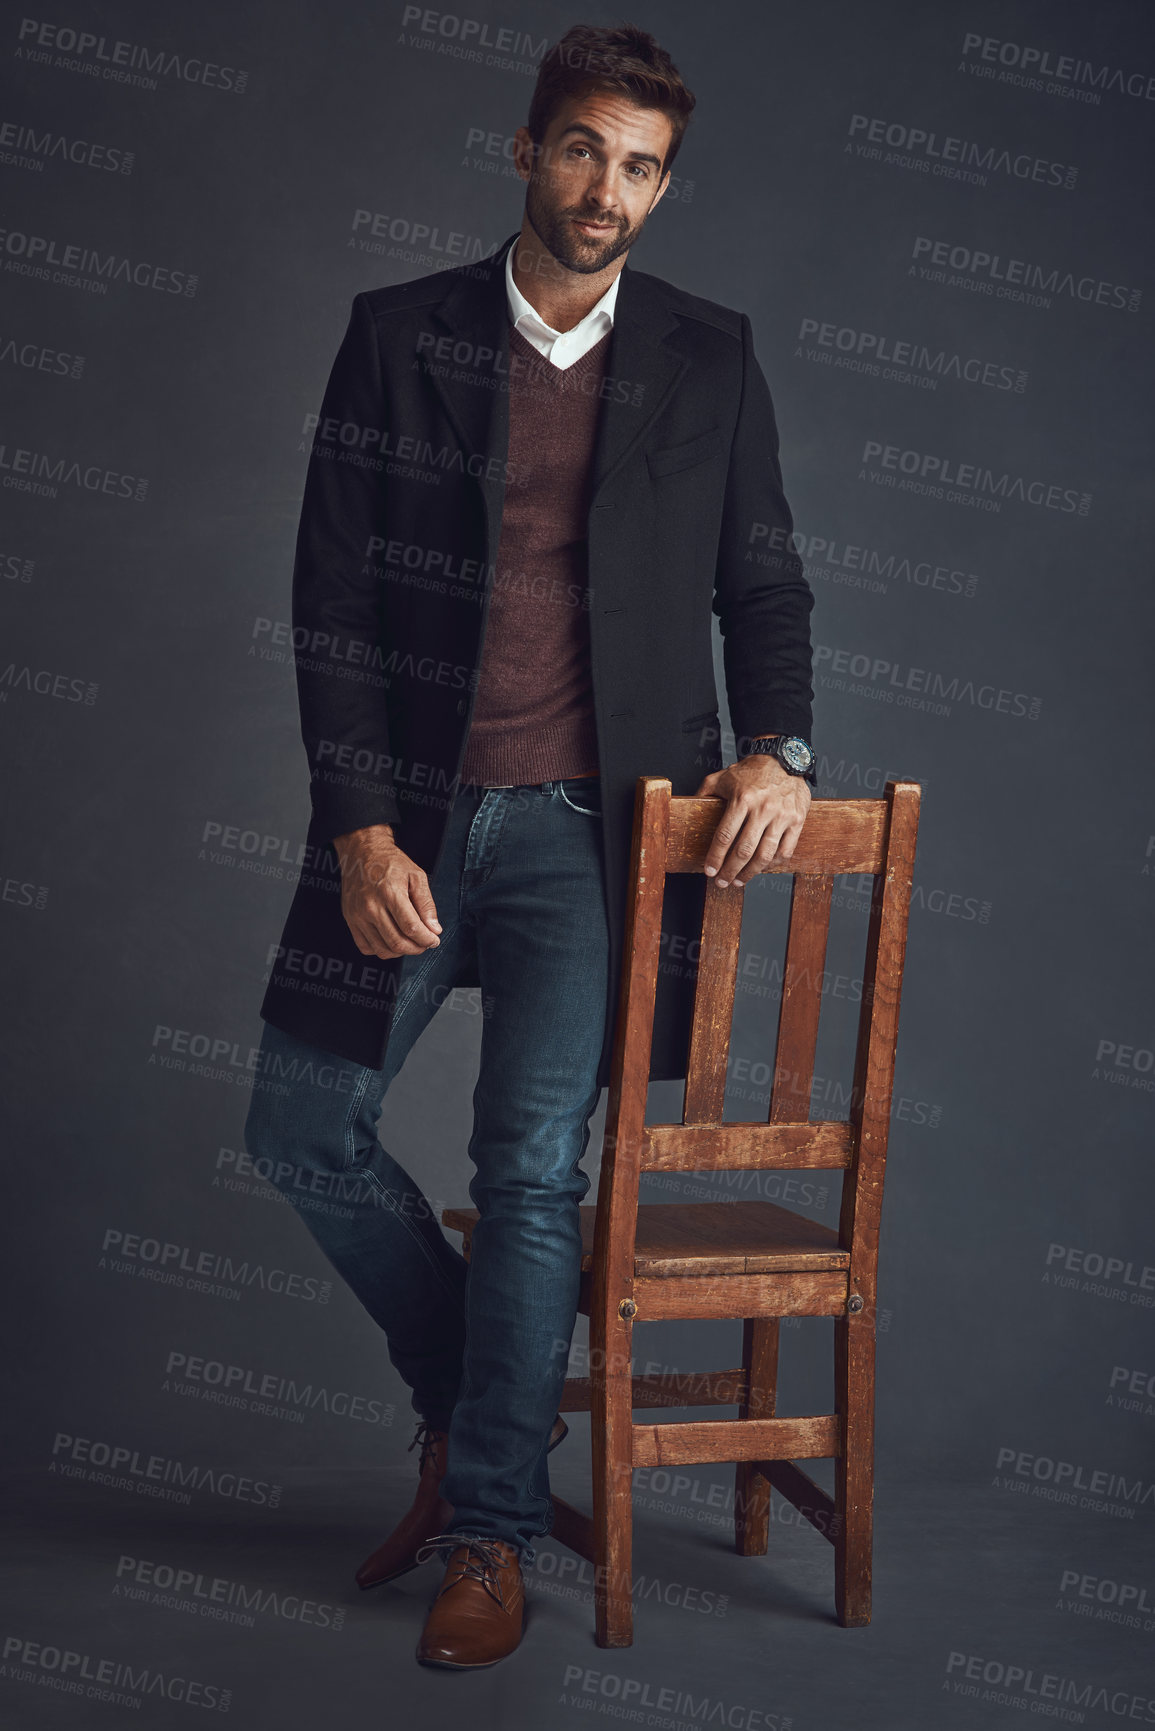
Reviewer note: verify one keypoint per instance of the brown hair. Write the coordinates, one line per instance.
(616, 57)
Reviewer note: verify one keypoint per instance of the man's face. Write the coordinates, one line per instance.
(596, 179)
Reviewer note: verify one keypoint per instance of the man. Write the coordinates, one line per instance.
(533, 478)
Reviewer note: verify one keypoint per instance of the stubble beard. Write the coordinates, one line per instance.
(574, 251)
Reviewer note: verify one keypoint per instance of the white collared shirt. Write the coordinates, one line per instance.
(562, 348)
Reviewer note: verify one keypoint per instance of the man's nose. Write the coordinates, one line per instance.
(601, 190)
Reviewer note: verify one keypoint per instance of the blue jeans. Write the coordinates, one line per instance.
(483, 1345)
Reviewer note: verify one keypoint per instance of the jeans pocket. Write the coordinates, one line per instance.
(585, 789)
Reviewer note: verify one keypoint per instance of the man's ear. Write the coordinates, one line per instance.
(526, 152)
(662, 185)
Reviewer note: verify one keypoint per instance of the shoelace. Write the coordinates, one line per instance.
(426, 1436)
(482, 1561)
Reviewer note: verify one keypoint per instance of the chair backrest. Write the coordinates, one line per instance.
(874, 837)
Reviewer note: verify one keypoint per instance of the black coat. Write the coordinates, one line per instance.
(397, 544)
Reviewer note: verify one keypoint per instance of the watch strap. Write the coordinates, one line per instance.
(770, 745)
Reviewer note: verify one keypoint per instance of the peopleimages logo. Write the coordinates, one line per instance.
(1017, 279)
(1068, 1481)
(119, 1682)
(370, 229)
(121, 62)
(940, 154)
(582, 1685)
(240, 1386)
(883, 356)
(1031, 66)
(181, 1265)
(216, 1597)
(33, 148)
(45, 683)
(1108, 1601)
(880, 678)
(124, 1468)
(40, 358)
(465, 38)
(43, 474)
(943, 477)
(861, 567)
(46, 258)
(1104, 1276)
(1023, 1686)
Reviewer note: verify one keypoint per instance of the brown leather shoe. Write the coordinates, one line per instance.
(430, 1512)
(478, 1615)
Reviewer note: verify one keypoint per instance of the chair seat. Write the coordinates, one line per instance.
(676, 1239)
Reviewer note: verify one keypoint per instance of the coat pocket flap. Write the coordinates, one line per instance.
(667, 462)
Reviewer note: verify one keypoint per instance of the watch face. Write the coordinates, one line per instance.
(797, 753)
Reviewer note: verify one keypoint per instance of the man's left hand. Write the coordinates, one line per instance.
(765, 810)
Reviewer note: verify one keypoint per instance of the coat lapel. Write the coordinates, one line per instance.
(643, 368)
(471, 383)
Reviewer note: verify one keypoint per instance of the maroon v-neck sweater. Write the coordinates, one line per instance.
(533, 717)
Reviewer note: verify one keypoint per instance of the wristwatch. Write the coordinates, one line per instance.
(794, 754)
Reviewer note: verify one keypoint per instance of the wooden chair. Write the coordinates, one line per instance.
(750, 1260)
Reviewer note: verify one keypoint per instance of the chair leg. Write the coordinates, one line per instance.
(751, 1486)
(611, 1426)
(854, 1467)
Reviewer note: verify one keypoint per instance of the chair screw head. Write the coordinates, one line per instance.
(626, 1309)
(854, 1303)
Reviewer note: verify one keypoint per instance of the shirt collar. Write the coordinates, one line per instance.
(521, 312)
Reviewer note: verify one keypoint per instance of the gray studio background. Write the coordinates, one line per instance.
(153, 761)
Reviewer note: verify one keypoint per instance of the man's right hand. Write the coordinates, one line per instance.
(385, 895)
